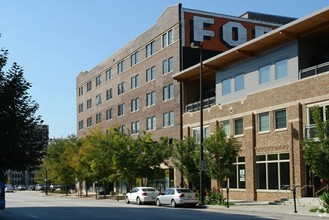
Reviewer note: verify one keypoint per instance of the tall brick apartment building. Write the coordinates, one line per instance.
(134, 89)
(265, 89)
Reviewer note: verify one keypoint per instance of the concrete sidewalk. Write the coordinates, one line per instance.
(287, 208)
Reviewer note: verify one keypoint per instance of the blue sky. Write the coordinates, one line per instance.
(54, 40)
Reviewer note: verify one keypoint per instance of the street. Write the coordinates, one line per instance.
(35, 205)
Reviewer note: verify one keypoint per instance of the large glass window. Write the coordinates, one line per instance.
(226, 86)
(239, 82)
(238, 179)
(281, 69)
(264, 121)
(226, 126)
(168, 119)
(238, 126)
(196, 134)
(264, 74)
(280, 119)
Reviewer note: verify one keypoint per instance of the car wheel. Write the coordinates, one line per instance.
(193, 205)
(127, 200)
(173, 203)
(138, 201)
(158, 202)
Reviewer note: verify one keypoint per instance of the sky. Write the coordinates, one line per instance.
(55, 40)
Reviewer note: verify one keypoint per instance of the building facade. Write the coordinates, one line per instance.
(264, 90)
(134, 90)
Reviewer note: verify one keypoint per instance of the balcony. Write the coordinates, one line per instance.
(314, 70)
(195, 106)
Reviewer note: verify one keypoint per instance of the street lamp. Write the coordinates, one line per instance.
(202, 162)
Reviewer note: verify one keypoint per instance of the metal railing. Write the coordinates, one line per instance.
(195, 106)
(314, 70)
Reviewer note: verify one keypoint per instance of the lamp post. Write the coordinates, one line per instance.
(202, 162)
(46, 179)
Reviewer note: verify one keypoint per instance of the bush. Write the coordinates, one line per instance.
(325, 198)
(214, 198)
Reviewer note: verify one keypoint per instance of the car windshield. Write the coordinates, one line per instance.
(184, 191)
(148, 190)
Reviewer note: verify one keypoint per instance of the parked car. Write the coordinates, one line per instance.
(55, 187)
(40, 187)
(31, 187)
(141, 195)
(21, 187)
(177, 196)
(9, 188)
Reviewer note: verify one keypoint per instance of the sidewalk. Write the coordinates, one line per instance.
(303, 207)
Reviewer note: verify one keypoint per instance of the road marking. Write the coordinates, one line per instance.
(32, 216)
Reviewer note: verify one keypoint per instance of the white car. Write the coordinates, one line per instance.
(9, 188)
(141, 195)
(177, 196)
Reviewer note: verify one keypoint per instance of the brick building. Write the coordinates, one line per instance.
(133, 89)
(264, 90)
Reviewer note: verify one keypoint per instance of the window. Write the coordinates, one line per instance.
(81, 91)
(150, 49)
(167, 39)
(168, 119)
(121, 88)
(238, 178)
(196, 134)
(168, 92)
(98, 118)
(164, 40)
(120, 66)
(226, 127)
(122, 129)
(89, 122)
(167, 65)
(170, 37)
(88, 86)
(135, 127)
(239, 82)
(98, 80)
(280, 119)
(108, 94)
(281, 69)
(150, 74)
(109, 114)
(151, 123)
(238, 126)
(81, 108)
(121, 109)
(150, 99)
(135, 105)
(264, 122)
(134, 81)
(264, 74)
(134, 58)
(89, 103)
(226, 86)
(98, 100)
(81, 125)
(272, 171)
(108, 74)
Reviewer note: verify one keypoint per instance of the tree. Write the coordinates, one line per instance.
(22, 146)
(186, 159)
(316, 150)
(220, 152)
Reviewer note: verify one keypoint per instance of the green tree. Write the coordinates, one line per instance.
(316, 151)
(220, 153)
(186, 159)
(22, 146)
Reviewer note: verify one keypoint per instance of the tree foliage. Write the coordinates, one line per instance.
(316, 150)
(220, 152)
(22, 146)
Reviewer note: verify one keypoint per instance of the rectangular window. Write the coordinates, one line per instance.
(109, 114)
(168, 92)
(280, 119)
(170, 64)
(238, 126)
(135, 127)
(196, 134)
(81, 91)
(150, 49)
(134, 58)
(121, 109)
(108, 74)
(167, 65)
(151, 123)
(238, 178)
(164, 67)
(168, 119)
(150, 99)
(120, 66)
(121, 88)
(281, 69)
(134, 81)
(89, 103)
(98, 80)
(89, 122)
(164, 40)
(226, 86)
(98, 118)
(239, 82)
(170, 37)
(81, 125)
(264, 74)
(135, 105)
(150, 74)
(88, 86)
(98, 100)
(81, 108)
(122, 129)
(108, 94)
(264, 122)
(226, 126)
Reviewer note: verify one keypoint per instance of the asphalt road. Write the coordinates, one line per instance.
(35, 205)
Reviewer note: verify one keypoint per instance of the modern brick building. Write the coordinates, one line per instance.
(264, 90)
(134, 89)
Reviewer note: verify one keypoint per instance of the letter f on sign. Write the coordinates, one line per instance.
(198, 25)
